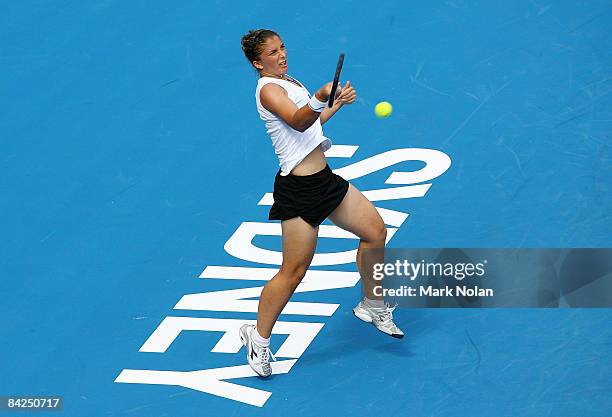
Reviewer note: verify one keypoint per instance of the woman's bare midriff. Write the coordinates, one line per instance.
(314, 162)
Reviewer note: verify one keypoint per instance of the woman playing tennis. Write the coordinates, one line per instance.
(306, 192)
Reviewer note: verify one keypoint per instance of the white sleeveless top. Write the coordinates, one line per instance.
(290, 146)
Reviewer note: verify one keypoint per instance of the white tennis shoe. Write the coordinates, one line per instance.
(257, 356)
(382, 318)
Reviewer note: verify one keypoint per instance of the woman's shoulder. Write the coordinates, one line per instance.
(270, 84)
(288, 86)
(280, 81)
(268, 80)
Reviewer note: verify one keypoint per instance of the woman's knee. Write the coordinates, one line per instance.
(377, 232)
(293, 273)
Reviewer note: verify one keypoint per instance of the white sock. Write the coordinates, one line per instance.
(258, 339)
(374, 303)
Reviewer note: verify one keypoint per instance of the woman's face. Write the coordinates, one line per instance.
(273, 58)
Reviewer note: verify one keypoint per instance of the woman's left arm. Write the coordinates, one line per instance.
(348, 95)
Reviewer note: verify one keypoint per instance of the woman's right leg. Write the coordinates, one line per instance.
(299, 244)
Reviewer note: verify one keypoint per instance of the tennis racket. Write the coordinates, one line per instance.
(336, 79)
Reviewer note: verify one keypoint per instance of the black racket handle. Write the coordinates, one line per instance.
(332, 95)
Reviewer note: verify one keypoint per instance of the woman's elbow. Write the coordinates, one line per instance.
(300, 127)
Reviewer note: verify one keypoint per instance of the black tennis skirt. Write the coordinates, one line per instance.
(312, 197)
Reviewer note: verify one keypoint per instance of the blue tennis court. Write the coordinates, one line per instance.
(135, 193)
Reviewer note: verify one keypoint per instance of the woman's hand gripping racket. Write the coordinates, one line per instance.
(332, 95)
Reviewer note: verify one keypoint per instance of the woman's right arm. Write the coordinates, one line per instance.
(275, 99)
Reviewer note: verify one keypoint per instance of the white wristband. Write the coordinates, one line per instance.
(316, 105)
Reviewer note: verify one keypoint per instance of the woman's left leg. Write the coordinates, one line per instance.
(359, 216)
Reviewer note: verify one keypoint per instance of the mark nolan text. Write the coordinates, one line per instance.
(460, 291)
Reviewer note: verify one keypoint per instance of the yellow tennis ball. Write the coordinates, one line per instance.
(383, 109)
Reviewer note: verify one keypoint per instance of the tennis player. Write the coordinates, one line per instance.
(306, 192)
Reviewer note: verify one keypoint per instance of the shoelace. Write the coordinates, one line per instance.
(265, 351)
(386, 315)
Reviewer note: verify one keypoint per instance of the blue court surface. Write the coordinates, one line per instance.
(135, 169)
